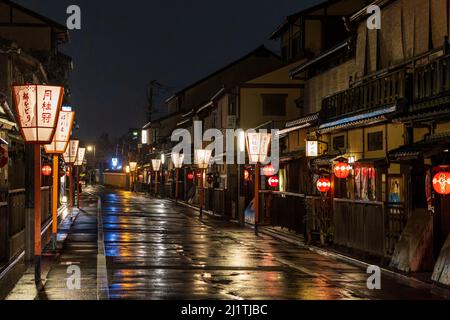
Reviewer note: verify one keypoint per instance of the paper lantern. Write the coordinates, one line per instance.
(177, 160)
(62, 133)
(342, 170)
(269, 171)
(80, 156)
(273, 182)
(190, 176)
(258, 146)
(202, 158)
(246, 175)
(71, 153)
(156, 165)
(441, 183)
(37, 110)
(46, 170)
(323, 185)
(133, 166)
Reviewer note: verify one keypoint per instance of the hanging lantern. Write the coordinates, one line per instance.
(274, 182)
(177, 160)
(37, 110)
(202, 158)
(269, 171)
(342, 170)
(199, 175)
(441, 183)
(258, 146)
(190, 176)
(323, 185)
(71, 153)
(62, 134)
(246, 175)
(156, 165)
(46, 170)
(80, 156)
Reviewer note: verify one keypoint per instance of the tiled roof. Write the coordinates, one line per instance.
(433, 145)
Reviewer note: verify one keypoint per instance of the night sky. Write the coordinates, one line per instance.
(125, 44)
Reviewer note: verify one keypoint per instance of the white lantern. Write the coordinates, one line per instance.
(80, 156)
(258, 146)
(312, 149)
(37, 109)
(133, 166)
(156, 164)
(202, 158)
(62, 134)
(71, 153)
(177, 160)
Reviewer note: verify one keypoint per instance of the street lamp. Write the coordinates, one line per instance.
(133, 167)
(70, 156)
(202, 158)
(177, 160)
(156, 165)
(257, 148)
(37, 111)
(79, 164)
(56, 148)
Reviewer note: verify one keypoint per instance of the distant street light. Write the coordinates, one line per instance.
(202, 159)
(177, 160)
(156, 165)
(257, 148)
(37, 110)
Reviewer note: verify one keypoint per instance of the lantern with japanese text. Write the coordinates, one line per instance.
(80, 156)
(71, 153)
(62, 133)
(323, 185)
(156, 165)
(177, 160)
(342, 170)
(46, 170)
(37, 111)
(441, 183)
(273, 182)
(202, 159)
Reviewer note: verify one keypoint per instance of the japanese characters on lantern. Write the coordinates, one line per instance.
(37, 108)
(71, 153)
(441, 183)
(258, 146)
(62, 133)
(80, 156)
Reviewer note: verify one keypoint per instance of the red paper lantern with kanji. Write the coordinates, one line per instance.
(273, 182)
(323, 185)
(342, 170)
(441, 183)
(269, 171)
(46, 170)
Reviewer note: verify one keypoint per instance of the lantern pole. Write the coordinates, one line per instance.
(156, 184)
(78, 187)
(37, 214)
(71, 185)
(177, 178)
(257, 183)
(202, 193)
(55, 200)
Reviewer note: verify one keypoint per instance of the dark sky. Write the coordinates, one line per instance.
(124, 44)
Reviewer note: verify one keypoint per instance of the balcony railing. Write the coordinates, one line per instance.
(383, 91)
(431, 81)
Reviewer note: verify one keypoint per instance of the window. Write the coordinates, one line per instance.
(339, 143)
(274, 105)
(375, 141)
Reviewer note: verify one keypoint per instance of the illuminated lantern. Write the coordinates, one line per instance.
(274, 182)
(68, 172)
(62, 134)
(342, 170)
(199, 175)
(190, 176)
(156, 165)
(246, 175)
(441, 183)
(80, 156)
(269, 171)
(46, 170)
(71, 153)
(324, 185)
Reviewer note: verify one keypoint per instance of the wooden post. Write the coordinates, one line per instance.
(78, 187)
(156, 184)
(257, 183)
(177, 178)
(202, 194)
(37, 214)
(71, 185)
(55, 200)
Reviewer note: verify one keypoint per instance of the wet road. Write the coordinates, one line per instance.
(156, 250)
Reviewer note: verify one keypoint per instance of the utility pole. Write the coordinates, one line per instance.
(152, 92)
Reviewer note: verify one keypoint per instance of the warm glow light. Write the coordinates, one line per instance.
(190, 176)
(202, 158)
(342, 170)
(127, 169)
(37, 111)
(258, 146)
(64, 199)
(242, 141)
(133, 166)
(163, 159)
(156, 165)
(62, 134)
(71, 153)
(324, 185)
(46, 170)
(312, 149)
(90, 148)
(269, 171)
(177, 160)
(441, 183)
(273, 182)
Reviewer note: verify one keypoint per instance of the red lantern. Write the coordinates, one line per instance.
(46, 170)
(68, 172)
(190, 176)
(342, 170)
(246, 175)
(274, 182)
(199, 175)
(441, 183)
(324, 185)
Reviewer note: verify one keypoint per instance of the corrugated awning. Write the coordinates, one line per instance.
(434, 145)
(358, 120)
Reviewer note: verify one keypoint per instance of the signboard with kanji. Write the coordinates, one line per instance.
(71, 153)
(37, 110)
(62, 134)
(80, 157)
